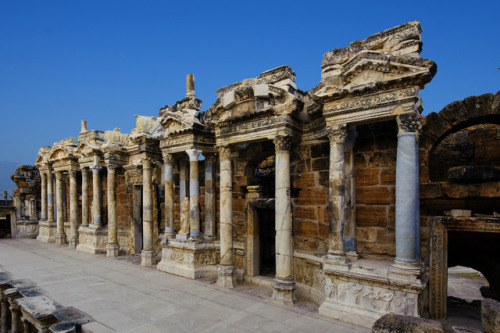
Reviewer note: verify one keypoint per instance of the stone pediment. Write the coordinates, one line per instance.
(116, 137)
(43, 156)
(273, 92)
(384, 61)
(179, 121)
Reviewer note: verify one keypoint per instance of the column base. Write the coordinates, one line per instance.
(148, 258)
(226, 276)
(338, 262)
(46, 231)
(112, 250)
(60, 239)
(409, 272)
(92, 240)
(72, 243)
(284, 291)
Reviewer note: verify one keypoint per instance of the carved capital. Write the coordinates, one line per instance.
(147, 163)
(408, 122)
(168, 158)
(59, 175)
(184, 163)
(337, 133)
(112, 168)
(72, 174)
(224, 153)
(210, 158)
(85, 172)
(283, 143)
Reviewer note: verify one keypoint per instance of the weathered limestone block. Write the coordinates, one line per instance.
(92, 240)
(189, 259)
(392, 323)
(47, 231)
(490, 315)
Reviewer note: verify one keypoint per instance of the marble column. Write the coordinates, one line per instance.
(15, 311)
(183, 182)
(168, 160)
(210, 197)
(60, 237)
(194, 194)
(43, 177)
(96, 197)
(407, 193)
(283, 284)
(336, 197)
(85, 197)
(73, 209)
(50, 197)
(226, 271)
(148, 253)
(112, 244)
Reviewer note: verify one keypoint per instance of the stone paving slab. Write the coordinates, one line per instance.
(124, 297)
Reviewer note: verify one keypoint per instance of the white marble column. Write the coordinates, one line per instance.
(96, 197)
(336, 252)
(168, 160)
(407, 199)
(85, 197)
(60, 237)
(50, 197)
(148, 253)
(226, 271)
(210, 197)
(194, 194)
(183, 182)
(43, 177)
(73, 209)
(283, 284)
(112, 244)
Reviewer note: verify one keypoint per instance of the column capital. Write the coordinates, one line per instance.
(193, 154)
(225, 153)
(210, 158)
(85, 171)
(168, 158)
(59, 175)
(95, 168)
(112, 168)
(337, 133)
(408, 122)
(283, 143)
(147, 163)
(73, 173)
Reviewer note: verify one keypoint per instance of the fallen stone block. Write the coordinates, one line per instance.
(393, 323)
(490, 315)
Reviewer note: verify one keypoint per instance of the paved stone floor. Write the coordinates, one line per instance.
(122, 296)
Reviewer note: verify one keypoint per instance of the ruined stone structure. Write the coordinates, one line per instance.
(27, 203)
(328, 194)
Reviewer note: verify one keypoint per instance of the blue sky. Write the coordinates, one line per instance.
(106, 60)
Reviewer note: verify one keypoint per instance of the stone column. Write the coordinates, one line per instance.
(210, 197)
(85, 197)
(4, 312)
(60, 237)
(50, 197)
(194, 194)
(226, 271)
(96, 197)
(148, 253)
(168, 160)
(15, 311)
(43, 177)
(283, 284)
(406, 194)
(336, 197)
(73, 209)
(112, 245)
(183, 182)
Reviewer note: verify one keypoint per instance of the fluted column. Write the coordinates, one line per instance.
(112, 245)
(96, 197)
(226, 271)
(407, 200)
(283, 284)
(168, 160)
(73, 209)
(43, 177)
(85, 197)
(194, 194)
(336, 197)
(60, 237)
(210, 197)
(50, 197)
(148, 253)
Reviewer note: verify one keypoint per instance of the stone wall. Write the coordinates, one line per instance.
(375, 165)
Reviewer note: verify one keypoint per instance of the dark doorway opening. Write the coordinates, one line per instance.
(137, 217)
(5, 226)
(267, 237)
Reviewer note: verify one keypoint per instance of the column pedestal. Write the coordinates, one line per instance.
(46, 231)
(112, 250)
(284, 291)
(148, 258)
(226, 276)
(192, 260)
(93, 239)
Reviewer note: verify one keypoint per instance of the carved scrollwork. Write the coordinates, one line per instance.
(282, 143)
(168, 158)
(210, 158)
(147, 163)
(224, 153)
